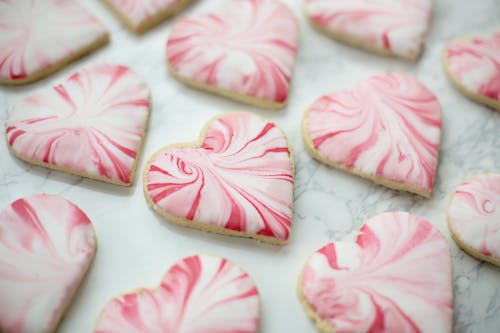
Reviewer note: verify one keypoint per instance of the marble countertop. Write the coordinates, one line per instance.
(136, 246)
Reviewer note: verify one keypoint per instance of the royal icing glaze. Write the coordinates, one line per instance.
(388, 127)
(247, 48)
(46, 246)
(198, 294)
(394, 278)
(239, 180)
(38, 34)
(396, 26)
(474, 214)
(91, 125)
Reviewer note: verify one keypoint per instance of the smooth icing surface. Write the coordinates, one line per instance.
(475, 63)
(248, 48)
(199, 294)
(398, 26)
(474, 214)
(396, 277)
(46, 246)
(389, 127)
(139, 11)
(92, 124)
(35, 34)
(241, 178)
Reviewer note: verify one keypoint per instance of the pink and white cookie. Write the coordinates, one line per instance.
(387, 129)
(474, 217)
(394, 27)
(473, 66)
(394, 278)
(238, 180)
(245, 52)
(37, 37)
(198, 294)
(92, 125)
(46, 246)
(141, 15)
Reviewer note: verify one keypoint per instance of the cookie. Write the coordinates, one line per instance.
(92, 125)
(142, 15)
(387, 129)
(46, 246)
(396, 277)
(237, 180)
(473, 66)
(245, 52)
(37, 37)
(391, 27)
(474, 217)
(198, 294)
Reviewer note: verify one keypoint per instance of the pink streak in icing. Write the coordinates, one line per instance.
(389, 126)
(46, 246)
(248, 47)
(240, 179)
(393, 279)
(475, 64)
(198, 294)
(139, 11)
(91, 124)
(474, 214)
(35, 34)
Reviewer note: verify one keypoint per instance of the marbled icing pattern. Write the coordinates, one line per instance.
(46, 246)
(388, 127)
(199, 294)
(91, 125)
(396, 277)
(240, 178)
(247, 48)
(35, 34)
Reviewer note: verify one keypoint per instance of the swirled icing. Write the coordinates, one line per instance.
(394, 278)
(198, 294)
(474, 214)
(46, 246)
(36, 34)
(240, 179)
(397, 26)
(91, 125)
(247, 48)
(388, 127)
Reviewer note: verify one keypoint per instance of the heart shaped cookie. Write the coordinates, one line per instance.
(92, 125)
(473, 66)
(387, 129)
(245, 52)
(198, 294)
(238, 180)
(395, 27)
(474, 217)
(46, 246)
(394, 278)
(37, 37)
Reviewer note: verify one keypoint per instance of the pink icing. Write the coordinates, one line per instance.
(46, 246)
(248, 47)
(474, 214)
(35, 34)
(398, 26)
(475, 63)
(198, 294)
(241, 178)
(389, 127)
(395, 278)
(139, 11)
(92, 124)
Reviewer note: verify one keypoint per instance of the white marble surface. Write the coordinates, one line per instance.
(136, 246)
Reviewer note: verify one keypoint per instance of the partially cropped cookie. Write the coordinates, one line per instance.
(37, 37)
(474, 217)
(246, 51)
